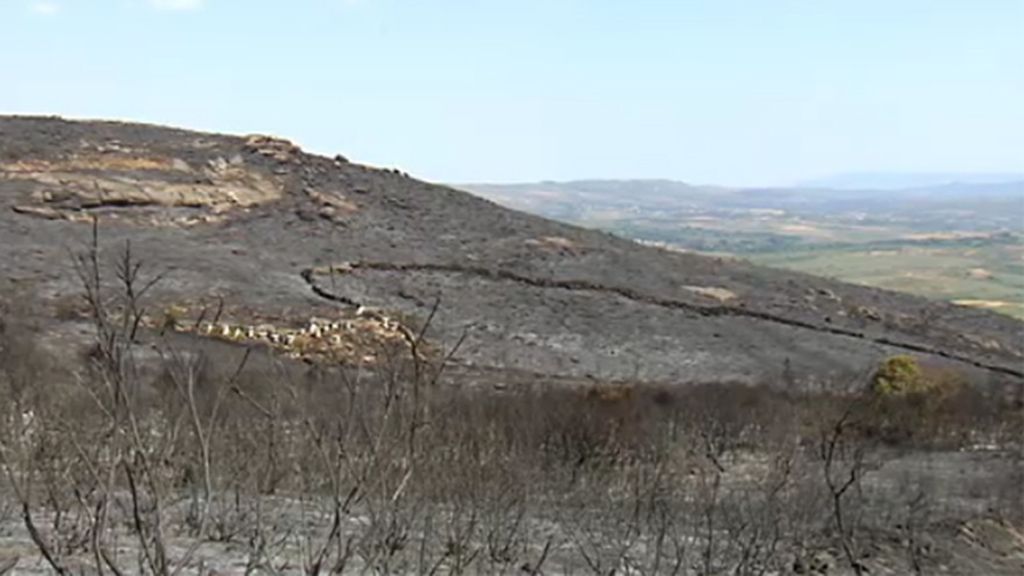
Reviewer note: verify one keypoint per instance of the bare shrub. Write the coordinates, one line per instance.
(392, 468)
(845, 460)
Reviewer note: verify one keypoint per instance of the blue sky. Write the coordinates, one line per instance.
(746, 92)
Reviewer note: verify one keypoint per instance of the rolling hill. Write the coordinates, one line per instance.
(273, 237)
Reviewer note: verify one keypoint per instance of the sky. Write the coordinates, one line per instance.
(736, 92)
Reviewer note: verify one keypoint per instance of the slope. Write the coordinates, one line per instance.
(274, 238)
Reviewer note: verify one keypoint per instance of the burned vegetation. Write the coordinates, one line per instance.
(165, 454)
(269, 362)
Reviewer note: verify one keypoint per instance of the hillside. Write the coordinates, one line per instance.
(222, 355)
(960, 242)
(280, 237)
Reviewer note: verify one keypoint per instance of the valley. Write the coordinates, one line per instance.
(962, 242)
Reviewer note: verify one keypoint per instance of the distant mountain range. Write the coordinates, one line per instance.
(898, 180)
(976, 206)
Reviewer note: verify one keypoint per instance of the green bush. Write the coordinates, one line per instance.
(923, 404)
(899, 376)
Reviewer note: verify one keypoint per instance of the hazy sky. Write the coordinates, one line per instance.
(722, 91)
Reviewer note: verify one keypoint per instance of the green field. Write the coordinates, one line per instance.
(985, 274)
(985, 270)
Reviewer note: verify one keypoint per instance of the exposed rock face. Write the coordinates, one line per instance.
(64, 187)
(286, 236)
